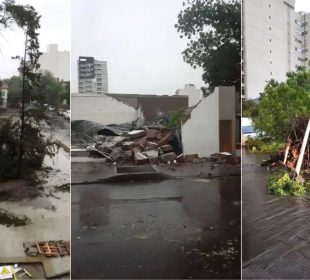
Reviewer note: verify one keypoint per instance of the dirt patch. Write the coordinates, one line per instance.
(8, 219)
(17, 190)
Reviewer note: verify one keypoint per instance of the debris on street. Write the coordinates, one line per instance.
(125, 143)
(47, 248)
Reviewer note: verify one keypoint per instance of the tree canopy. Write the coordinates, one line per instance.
(213, 28)
(281, 103)
(22, 145)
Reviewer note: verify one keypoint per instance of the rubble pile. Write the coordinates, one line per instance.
(149, 145)
(290, 152)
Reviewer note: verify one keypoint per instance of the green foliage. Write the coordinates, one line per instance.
(174, 119)
(213, 28)
(249, 109)
(35, 147)
(281, 103)
(15, 91)
(281, 184)
(48, 89)
(263, 146)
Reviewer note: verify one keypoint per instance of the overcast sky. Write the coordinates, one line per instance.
(138, 40)
(136, 37)
(55, 28)
(302, 5)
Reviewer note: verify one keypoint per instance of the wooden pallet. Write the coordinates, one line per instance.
(48, 248)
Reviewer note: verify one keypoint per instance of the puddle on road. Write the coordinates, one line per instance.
(137, 231)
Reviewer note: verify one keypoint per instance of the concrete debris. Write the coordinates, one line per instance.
(168, 157)
(137, 133)
(145, 145)
(141, 146)
(166, 148)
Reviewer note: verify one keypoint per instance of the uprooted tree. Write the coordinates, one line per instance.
(281, 103)
(22, 145)
(213, 28)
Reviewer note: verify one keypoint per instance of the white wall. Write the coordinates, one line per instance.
(57, 62)
(102, 109)
(194, 94)
(200, 134)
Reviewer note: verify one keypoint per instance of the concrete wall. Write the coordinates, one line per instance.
(57, 62)
(227, 109)
(200, 134)
(194, 94)
(102, 109)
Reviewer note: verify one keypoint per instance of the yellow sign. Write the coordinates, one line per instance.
(5, 272)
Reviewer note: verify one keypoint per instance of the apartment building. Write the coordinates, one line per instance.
(274, 39)
(57, 62)
(93, 76)
(302, 39)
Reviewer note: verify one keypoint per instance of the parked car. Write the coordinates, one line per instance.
(247, 130)
(51, 108)
(67, 114)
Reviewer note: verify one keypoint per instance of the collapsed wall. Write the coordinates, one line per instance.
(102, 109)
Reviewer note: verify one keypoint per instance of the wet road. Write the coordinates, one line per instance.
(276, 230)
(169, 229)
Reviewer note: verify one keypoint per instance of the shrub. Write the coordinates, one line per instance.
(281, 184)
(264, 146)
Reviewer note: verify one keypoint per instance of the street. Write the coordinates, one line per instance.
(178, 228)
(276, 230)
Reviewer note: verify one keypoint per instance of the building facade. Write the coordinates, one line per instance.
(57, 62)
(4, 96)
(303, 38)
(273, 43)
(92, 75)
(194, 94)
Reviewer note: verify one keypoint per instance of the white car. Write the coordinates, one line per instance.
(51, 108)
(67, 114)
(247, 130)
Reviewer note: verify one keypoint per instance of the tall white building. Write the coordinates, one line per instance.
(303, 38)
(272, 43)
(93, 76)
(57, 62)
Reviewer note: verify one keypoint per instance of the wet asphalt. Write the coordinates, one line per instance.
(275, 229)
(186, 228)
